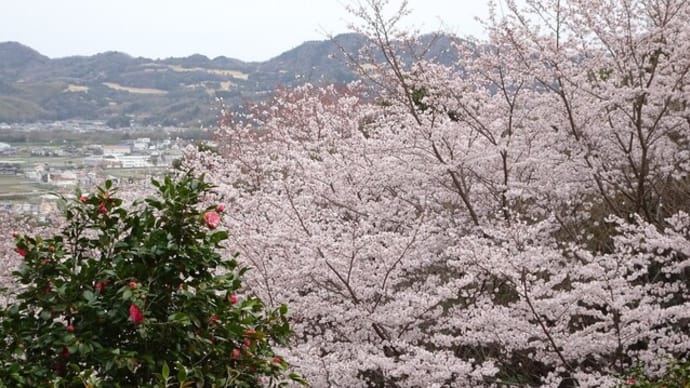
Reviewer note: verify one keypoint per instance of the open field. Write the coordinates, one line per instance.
(128, 89)
(55, 161)
(75, 89)
(12, 184)
(17, 189)
(223, 72)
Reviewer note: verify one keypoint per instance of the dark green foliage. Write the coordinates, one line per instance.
(138, 296)
(676, 376)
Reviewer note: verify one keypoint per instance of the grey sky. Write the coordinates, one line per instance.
(247, 30)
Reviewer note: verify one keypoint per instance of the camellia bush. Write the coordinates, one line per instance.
(138, 296)
(676, 376)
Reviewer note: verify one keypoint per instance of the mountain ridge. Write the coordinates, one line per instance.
(119, 88)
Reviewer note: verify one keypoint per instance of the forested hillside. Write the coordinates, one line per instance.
(119, 88)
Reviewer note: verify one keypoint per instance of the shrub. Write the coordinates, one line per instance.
(138, 296)
(676, 376)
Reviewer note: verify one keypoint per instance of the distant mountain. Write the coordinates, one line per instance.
(119, 88)
(14, 58)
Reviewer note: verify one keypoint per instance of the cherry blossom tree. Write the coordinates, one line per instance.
(517, 217)
(10, 226)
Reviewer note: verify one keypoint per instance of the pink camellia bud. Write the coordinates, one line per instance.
(247, 342)
(277, 360)
(21, 251)
(233, 299)
(135, 314)
(212, 219)
(102, 209)
(236, 353)
(70, 328)
(213, 320)
(83, 198)
(133, 284)
(99, 286)
(220, 208)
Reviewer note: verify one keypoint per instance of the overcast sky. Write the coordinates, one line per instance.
(251, 30)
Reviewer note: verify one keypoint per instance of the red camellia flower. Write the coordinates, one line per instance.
(220, 208)
(99, 286)
(213, 320)
(236, 354)
(102, 209)
(135, 314)
(22, 252)
(277, 360)
(70, 328)
(83, 199)
(233, 298)
(65, 352)
(212, 219)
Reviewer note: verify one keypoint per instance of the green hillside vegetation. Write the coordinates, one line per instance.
(13, 109)
(118, 88)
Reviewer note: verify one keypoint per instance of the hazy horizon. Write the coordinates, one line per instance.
(156, 29)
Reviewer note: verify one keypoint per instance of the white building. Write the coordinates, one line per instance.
(65, 178)
(116, 150)
(135, 161)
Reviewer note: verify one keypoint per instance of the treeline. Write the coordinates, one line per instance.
(63, 136)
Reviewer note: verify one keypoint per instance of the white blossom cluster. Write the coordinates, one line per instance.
(519, 216)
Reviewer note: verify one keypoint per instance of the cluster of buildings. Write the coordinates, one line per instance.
(87, 163)
(61, 168)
